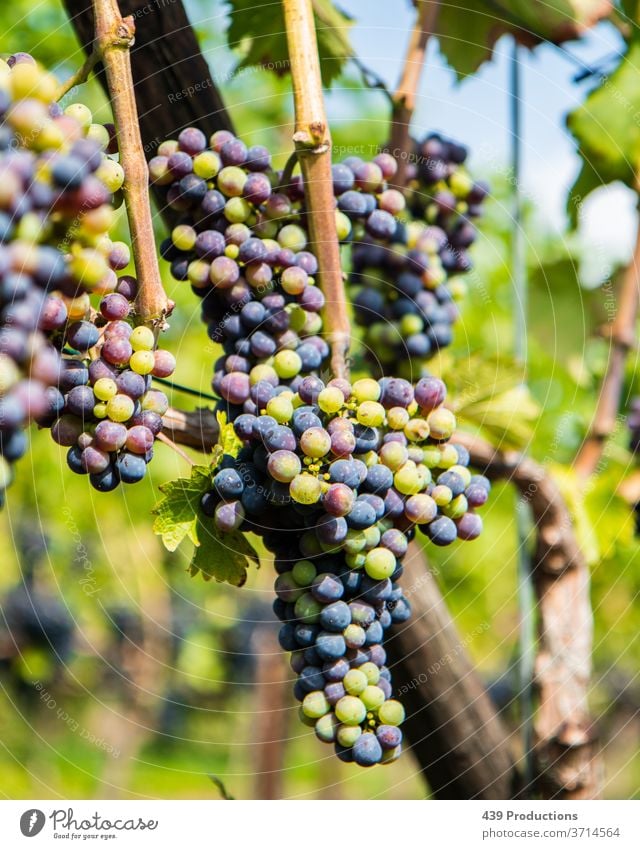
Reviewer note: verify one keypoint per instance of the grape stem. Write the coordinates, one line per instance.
(114, 37)
(162, 437)
(287, 173)
(81, 75)
(404, 98)
(313, 145)
(621, 333)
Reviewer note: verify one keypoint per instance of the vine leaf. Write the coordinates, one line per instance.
(607, 130)
(258, 30)
(224, 557)
(468, 29)
(177, 511)
(228, 442)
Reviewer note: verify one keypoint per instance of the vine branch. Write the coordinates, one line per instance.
(622, 334)
(313, 145)
(80, 76)
(566, 749)
(404, 97)
(114, 36)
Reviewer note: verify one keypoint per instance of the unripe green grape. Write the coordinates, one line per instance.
(280, 408)
(263, 372)
(88, 267)
(287, 364)
(391, 755)
(293, 237)
(80, 113)
(111, 174)
(371, 536)
(393, 455)
(198, 273)
(350, 710)
(120, 408)
(355, 542)
(442, 495)
(355, 636)
(372, 697)
(303, 573)
(417, 430)
(407, 480)
(379, 564)
(237, 210)
(326, 728)
(105, 388)
(347, 735)
(142, 339)
(232, 251)
(448, 456)
(343, 225)
(442, 423)
(366, 389)
(355, 682)
(183, 237)
(410, 324)
(330, 400)
(432, 456)
(354, 561)
(315, 704)
(397, 418)
(306, 489)
(371, 413)
(206, 164)
(100, 410)
(307, 609)
(142, 362)
(99, 134)
(391, 713)
(371, 672)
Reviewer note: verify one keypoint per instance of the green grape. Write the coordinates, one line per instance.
(111, 174)
(372, 697)
(280, 408)
(331, 400)
(206, 164)
(293, 237)
(347, 735)
(142, 339)
(407, 480)
(351, 711)
(393, 455)
(391, 713)
(371, 671)
(307, 609)
(326, 728)
(366, 389)
(442, 495)
(120, 408)
(105, 388)
(305, 489)
(355, 682)
(184, 237)
(315, 704)
(442, 423)
(315, 442)
(456, 508)
(237, 210)
(371, 413)
(142, 362)
(303, 573)
(283, 466)
(379, 564)
(287, 364)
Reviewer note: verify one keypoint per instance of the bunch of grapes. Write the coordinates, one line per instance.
(242, 246)
(104, 409)
(405, 250)
(55, 213)
(336, 479)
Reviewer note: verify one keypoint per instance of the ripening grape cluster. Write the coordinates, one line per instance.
(241, 244)
(403, 268)
(336, 479)
(82, 371)
(104, 408)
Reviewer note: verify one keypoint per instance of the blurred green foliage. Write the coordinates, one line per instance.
(158, 692)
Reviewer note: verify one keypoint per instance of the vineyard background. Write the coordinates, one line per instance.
(164, 682)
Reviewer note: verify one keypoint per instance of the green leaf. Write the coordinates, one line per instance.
(221, 556)
(607, 129)
(228, 442)
(177, 511)
(258, 31)
(468, 29)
